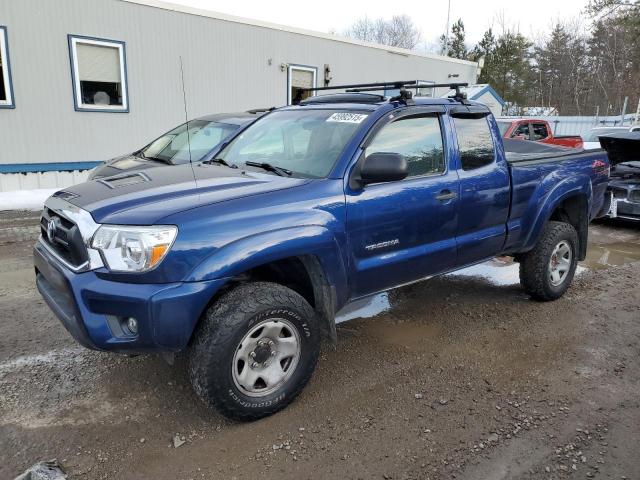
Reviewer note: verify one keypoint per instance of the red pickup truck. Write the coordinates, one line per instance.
(536, 131)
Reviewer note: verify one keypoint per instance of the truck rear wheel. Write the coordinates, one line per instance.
(547, 270)
(254, 351)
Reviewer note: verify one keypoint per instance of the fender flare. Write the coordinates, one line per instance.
(314, 245)
(571, 187)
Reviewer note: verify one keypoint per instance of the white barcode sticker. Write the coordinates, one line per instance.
(347, 117)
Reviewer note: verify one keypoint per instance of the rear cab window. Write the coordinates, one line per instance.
(475, 142)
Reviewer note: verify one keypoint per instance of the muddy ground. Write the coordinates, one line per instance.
(459, 377)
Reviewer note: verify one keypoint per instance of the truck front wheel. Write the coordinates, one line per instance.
(547, 270)
(254, 350)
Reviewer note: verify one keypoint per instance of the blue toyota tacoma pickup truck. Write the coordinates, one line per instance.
(242, 261)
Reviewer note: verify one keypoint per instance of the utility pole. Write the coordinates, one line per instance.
(637, 120)
(624, 110)
(446, 30)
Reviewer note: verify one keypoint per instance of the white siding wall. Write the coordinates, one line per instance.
(228, 66)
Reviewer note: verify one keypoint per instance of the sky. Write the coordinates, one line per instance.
(531, 18)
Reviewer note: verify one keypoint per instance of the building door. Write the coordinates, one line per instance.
(298, 79)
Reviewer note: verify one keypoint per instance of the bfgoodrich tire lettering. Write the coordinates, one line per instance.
(535, 275)
(223, 330)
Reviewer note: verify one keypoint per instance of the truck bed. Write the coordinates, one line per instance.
(521, 151)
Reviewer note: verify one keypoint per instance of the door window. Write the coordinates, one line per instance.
(522, 130)
(474, 142)
(418, 139)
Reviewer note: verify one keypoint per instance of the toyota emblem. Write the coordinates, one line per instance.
(52, 228)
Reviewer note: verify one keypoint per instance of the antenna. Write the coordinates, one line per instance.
(186, 115)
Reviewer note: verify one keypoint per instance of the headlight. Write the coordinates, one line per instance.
(133, 249)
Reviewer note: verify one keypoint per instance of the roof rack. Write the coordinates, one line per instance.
(404, 95)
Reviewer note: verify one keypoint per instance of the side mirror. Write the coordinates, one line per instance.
(383, 167)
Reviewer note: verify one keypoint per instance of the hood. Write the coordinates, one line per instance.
(621, 147)
(145, 197)
(121, 164)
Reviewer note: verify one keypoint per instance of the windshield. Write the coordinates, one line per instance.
(503, 126)
(307, 143)
(593, 135)
(173, 147)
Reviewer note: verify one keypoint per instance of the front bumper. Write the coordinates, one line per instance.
(623, 208)
(91, 308)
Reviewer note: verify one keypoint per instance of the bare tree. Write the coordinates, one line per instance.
(399, 31)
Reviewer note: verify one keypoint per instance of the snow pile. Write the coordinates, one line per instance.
(25, 199)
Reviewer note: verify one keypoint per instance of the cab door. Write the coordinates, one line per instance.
(485, 186)
(404, 230)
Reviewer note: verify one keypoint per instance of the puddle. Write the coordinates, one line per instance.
(364, 308)
(500, 271)
(604, 255)
(607, 247)
(612, 245)
(407, 334)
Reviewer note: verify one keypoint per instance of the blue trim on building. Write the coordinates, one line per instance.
(47, 167)
(3, 31)
(489, 88)
(125, 93)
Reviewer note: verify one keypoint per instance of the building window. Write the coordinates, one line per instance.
(6, 88)
(423, 89)
(298, 79)
(99, 74)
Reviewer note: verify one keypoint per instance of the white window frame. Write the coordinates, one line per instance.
(304, 68)
(77, 91)
(6, 70)
(426, 84)
(392, 92)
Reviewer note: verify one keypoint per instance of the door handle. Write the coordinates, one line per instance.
(446, 195)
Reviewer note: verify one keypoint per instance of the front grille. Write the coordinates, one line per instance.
(66, 241)
(634, 195)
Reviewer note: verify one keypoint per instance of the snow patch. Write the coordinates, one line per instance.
(25, 199)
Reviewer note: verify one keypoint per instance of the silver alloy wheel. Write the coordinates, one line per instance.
(266, 357)
(560, 263)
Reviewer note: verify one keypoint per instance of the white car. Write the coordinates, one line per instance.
(591, 141)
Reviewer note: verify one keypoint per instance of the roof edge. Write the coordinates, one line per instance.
(284, 28)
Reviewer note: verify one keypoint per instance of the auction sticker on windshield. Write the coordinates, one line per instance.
(347, 117)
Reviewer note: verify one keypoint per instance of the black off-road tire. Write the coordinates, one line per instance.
(534, 265)
(222, 329)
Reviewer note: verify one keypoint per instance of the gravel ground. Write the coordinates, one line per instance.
(459, 377)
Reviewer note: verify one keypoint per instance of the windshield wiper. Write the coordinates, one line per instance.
(270, 168)
(221, 161)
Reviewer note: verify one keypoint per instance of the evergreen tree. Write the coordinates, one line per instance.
(455, 46)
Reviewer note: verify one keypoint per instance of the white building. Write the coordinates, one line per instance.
(483, 93)
(86, 80)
